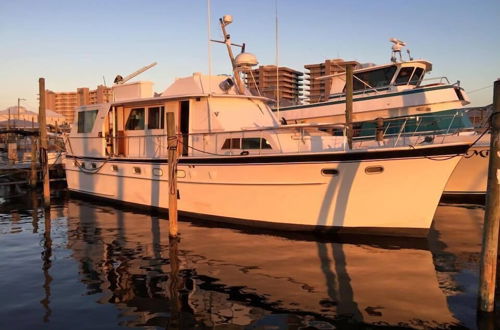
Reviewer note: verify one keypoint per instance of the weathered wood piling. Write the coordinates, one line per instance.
(349, 70)
(172, 174)
(43, 143)
(489, 253)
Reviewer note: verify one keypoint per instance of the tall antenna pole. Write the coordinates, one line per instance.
(209, 49)
(277, 66)
(227, 41)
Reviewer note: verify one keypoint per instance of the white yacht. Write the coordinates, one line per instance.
(399, 93)
(238, 164)
(390, 90)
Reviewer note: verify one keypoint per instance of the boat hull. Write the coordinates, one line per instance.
(471, 174)
(392, 195)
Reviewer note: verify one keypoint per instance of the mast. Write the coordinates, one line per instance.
(225, 21)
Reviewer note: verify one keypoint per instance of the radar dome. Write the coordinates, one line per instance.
(246, 60)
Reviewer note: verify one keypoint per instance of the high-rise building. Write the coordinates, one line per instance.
(319, 89)
(66, 102)
(265, 79)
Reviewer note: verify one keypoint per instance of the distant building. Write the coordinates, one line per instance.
(319, 89)
(264, 79)
(24, 118)
(66, 102)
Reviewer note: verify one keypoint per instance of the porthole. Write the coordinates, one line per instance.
(114, 168)
(94, 165)
(157, 172)
(137, 170)
(374, 170)
(330, 172)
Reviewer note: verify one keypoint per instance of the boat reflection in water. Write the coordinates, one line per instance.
(222, 276)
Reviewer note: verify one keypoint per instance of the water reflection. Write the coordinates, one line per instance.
(47, 262)
(221, 276)
(80, 258)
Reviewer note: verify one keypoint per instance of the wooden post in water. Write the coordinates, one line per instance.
(34, 159)
(43, 143)
(172, 174)
(349, 68)
(489, 251)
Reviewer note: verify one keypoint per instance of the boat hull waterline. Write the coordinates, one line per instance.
(287, 192)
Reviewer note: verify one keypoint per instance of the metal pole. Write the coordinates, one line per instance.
(227, 41)
(349, 68)
(172, 174)
(489, 250)
(43, 143)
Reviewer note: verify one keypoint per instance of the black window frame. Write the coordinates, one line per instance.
(231, 143)
(137, 126)
(86, 121)
(414, 81)
(368, 77)
(161, 115)
(399, 80)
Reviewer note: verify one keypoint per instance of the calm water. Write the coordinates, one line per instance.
(82, 265)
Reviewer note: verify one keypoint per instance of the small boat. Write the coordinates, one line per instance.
(238, 164)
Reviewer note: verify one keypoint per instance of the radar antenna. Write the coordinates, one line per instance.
(396, 50)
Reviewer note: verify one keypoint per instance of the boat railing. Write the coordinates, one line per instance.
(415, 129)
(435, 80)
(296, 138)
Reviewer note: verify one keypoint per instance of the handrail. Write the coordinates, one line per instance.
(283, 139)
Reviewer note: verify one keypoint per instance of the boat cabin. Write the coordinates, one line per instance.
(212, 118)
(390, 77)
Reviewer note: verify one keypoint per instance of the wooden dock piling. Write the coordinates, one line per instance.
(34, 160)
(43, 143)
(489, 253)
(349, 89)
(172, 174)
(349, 69)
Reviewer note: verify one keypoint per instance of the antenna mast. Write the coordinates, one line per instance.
(225, 21)
(277, 67)
(209, 49)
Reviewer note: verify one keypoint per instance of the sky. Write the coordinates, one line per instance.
(76, 44)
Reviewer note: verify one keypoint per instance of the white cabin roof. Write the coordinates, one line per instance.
(199, 85)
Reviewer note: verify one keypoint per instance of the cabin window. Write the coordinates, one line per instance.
(156, 118)
(86, 121)
(374, 170)
(417, 75)
(255, 143)
(246, 143)
(330, 172)
(375, 78)
(135, 120)
(231, 144)
(404, 76)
